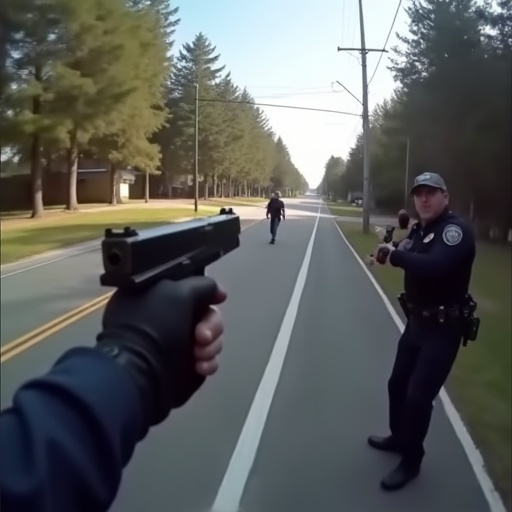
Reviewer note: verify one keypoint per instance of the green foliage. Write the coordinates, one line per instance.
(99, 78)
(332, 184)
(452, 103)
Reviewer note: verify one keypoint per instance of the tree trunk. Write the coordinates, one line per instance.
(36, 171)
(205, 187)
(72, 202)
(215, 185)
(113, 185)
(230, 187)
(146, 187)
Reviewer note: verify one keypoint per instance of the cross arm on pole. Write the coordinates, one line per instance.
(366, 50)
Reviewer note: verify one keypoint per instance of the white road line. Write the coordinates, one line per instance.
(69, 253)
(54, 260)
(475, 458)
(230, 492)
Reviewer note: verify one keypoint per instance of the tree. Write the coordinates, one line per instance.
(95, 79)
(195, 66)
(126, 139)
(452, 104)
(29, 50)
(99, 79)
(332, 181)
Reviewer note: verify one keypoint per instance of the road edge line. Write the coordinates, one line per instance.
(473, 454)
(72, 250)
(22, 343)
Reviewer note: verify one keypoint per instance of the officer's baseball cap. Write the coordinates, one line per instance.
(429, 179)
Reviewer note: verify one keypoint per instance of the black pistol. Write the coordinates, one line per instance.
(134, 260)
(388, 237)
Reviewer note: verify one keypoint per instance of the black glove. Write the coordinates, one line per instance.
(152, 336)
(382, 255)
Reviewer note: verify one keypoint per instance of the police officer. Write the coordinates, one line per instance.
(437, 257)
(275, 209)
(69, 434)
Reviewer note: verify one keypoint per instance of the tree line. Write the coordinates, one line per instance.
(452, 106)
(99, 79)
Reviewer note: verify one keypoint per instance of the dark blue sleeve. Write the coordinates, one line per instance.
(68, 436)
(440, 259)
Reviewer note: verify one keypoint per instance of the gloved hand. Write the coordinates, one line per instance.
(383, 252)
(405, 245)
(154, 336)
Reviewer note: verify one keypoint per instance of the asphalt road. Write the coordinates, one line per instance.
(329, 393)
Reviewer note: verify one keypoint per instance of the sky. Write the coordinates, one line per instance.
(285, 52)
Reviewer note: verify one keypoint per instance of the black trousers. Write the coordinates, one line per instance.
(425, 355)
(274, 224)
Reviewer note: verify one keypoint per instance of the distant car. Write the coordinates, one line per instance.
(357, 202)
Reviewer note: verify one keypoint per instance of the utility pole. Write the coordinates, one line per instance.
(366, 121)
(196, 169)
(406, 191)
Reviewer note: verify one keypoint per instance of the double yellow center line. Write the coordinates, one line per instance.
(23, 343)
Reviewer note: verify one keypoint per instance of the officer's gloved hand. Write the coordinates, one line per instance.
(405, 245)
(383, 252)
(167, 338)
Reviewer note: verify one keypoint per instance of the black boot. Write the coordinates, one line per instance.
(400, 476)
(385, 444)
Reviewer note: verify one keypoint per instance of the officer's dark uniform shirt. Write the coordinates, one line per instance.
(67, 437)
(275, 207)
(438, 265)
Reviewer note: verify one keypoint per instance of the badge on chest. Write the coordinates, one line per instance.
(429, 237)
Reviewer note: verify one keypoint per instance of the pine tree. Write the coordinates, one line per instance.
(195, 66)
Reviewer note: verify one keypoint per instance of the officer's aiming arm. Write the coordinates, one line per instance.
(134, 260)
(406, 237)
(441, 258)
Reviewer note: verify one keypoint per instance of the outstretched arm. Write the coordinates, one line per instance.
(70, 430)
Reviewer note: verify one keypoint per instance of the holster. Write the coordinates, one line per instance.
(403, 304)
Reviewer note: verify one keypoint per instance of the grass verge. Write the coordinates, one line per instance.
(31, 239)
(235, 201)
(344, 209)
(480, 383)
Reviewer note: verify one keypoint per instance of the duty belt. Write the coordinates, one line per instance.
(439, 313)
(464, 312)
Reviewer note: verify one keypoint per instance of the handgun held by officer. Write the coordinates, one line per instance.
(436, 256)
(69, 433)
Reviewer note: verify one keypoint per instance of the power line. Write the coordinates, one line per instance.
(387, 39)
(287, 95)
(212, 100)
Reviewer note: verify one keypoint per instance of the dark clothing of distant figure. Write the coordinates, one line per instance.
(275, 209)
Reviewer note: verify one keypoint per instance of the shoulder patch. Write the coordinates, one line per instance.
(452, 234)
